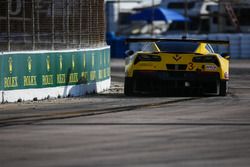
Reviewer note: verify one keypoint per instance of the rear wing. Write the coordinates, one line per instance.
(218, 42)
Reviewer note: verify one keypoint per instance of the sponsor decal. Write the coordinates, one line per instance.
(211, 67)
(29, 64)
(61, 62)
(30, 80)
(226, 74)
(10, 82)
(48, 63)
(10, 61)
(73, 62)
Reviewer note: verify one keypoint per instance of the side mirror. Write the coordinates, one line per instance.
(226, 56)
(129, 52)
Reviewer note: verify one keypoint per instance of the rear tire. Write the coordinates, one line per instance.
(223, 88)
(128, 86)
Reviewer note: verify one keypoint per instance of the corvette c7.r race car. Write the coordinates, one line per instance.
(182, 66)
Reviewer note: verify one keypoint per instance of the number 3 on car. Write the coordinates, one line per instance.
(190, 66)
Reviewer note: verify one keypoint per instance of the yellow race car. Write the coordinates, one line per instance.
(176, 66)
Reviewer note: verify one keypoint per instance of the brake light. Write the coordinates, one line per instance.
(206, 59)
(147, 58)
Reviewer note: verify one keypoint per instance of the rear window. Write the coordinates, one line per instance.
(171, 46)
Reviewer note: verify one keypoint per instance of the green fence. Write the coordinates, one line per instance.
(52, 69)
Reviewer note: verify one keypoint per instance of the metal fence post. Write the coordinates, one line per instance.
(33, 25)
(73, 20)
(24, 23)
(53, 24)
(63, 21)
(97, 24)
(80, 25)
(8, 24)
(89, 22)
(37, 20)
(67, 13)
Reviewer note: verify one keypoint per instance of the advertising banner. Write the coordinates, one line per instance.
(51, 69)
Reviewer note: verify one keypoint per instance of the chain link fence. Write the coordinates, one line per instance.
(51, 24)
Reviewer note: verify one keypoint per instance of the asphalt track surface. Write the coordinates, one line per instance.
(113, 130)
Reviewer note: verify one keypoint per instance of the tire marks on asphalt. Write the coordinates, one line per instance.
(31, 119)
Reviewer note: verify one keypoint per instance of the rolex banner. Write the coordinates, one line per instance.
(51, 69)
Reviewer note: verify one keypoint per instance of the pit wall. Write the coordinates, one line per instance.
(48, 74)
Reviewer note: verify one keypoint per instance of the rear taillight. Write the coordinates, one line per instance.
(206, 59)
(147, 58)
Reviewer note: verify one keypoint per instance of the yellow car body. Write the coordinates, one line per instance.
(192, 66)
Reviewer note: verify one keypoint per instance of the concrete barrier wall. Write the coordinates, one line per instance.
(238, 48)
(43, 74)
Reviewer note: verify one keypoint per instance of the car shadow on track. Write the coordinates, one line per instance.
(150, 95)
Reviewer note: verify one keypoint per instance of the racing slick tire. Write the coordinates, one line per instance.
(128, 86)
(223, 88)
